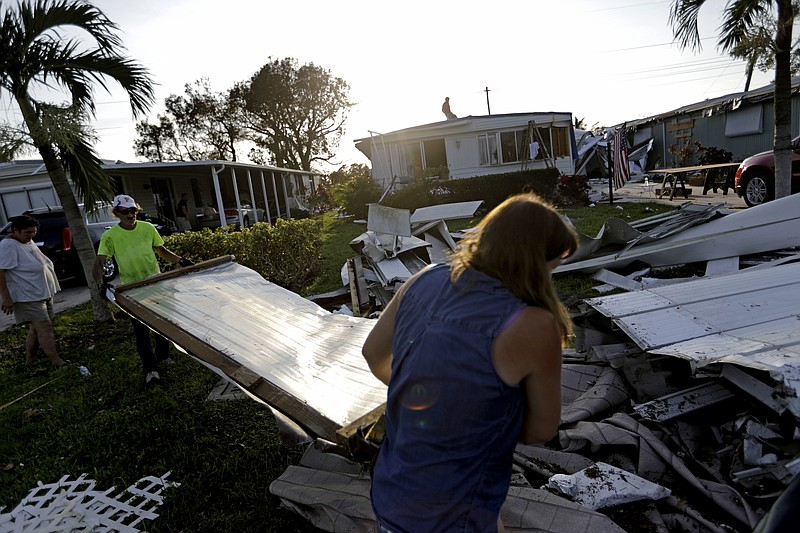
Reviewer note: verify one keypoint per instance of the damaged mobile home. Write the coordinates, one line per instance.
(679, 401)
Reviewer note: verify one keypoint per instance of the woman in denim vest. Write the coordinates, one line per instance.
(471, 353)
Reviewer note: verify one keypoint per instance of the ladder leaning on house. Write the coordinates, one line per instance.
(531, 134)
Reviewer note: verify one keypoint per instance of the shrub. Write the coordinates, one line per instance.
(286, 253)
(710, 155)
(573, 190)
(492, 189)
(354, 195)
(321, 200)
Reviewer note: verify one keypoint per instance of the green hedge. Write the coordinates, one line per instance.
(492, 189)
(287, 253)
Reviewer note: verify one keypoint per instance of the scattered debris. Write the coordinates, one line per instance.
(602, 485)
(686, 392)
(15, 400)
(770, 226)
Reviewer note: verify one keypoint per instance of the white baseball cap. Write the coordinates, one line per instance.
(123, 201)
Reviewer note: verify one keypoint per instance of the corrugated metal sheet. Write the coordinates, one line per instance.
(300, 349)
(770, 226)
(749, 318)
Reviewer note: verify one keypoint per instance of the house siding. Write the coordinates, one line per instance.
(709, 120)
(460, 137)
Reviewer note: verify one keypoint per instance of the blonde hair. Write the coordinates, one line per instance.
(514, 243)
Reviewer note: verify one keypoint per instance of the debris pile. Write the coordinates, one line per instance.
(679, 400)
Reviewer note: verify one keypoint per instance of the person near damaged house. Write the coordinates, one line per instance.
(27, 285)
(182, 213)
(471, 354)
(134, 244)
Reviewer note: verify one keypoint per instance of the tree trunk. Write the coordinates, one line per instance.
(783, 100)
(80, 235)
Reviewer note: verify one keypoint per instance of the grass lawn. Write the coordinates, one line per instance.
(110, 427)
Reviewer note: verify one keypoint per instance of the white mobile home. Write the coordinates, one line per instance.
(223, 185)
(472, 146)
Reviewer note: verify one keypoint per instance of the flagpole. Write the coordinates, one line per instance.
(610, 175)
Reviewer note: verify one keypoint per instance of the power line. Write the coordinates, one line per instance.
(646, 46)
(621, 7)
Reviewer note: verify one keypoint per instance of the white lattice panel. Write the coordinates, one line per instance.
(76, 506)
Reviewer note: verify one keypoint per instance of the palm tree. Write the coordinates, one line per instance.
(739, 17)
(36, 52)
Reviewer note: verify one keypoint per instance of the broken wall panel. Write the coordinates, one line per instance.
(770, 226)
(749, 318)
(284, 349)
(451, 211)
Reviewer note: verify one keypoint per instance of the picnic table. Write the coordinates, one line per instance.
(717, 176)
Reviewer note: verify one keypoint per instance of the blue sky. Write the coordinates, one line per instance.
(606, 61)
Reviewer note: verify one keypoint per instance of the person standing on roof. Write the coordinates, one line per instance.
(134, 244)
(471, 353)
(182, 213)
(446, 109)
(27, 285)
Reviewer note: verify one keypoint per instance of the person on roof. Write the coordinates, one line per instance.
(446, 109)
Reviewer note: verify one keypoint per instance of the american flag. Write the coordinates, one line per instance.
(622, 171)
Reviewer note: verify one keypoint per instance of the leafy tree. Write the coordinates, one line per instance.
(757, 47)
(197, 126)
(739, 18)
(354, 189)
(12, 142)
(157, 142)
(35, 51)
(296, 112)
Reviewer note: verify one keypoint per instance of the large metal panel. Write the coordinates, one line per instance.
(280, 347)
(749, 318)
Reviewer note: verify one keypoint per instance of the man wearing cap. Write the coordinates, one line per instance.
(134, 244)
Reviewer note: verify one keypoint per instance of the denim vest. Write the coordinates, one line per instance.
(451, 422)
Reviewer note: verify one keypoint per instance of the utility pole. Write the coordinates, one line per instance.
(610, 172)
(488, 109)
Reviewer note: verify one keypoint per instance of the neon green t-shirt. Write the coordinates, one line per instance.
(133, 250)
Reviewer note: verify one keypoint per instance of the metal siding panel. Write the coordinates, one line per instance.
(293, 343)
(749, 318)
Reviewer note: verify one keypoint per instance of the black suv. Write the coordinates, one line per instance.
(54, 238)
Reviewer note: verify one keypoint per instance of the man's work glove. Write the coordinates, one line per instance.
(107, 291)
(183, 262)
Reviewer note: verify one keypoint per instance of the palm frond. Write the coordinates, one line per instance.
(91, 182)
(33, 49)
(740, 15)
(38, 18)
(683, 19)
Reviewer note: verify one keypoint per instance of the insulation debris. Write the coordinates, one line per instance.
(602, 485)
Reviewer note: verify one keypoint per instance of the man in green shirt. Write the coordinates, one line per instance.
(134, 245)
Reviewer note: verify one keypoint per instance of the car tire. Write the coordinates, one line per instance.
(109, 270)
(758, 188)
